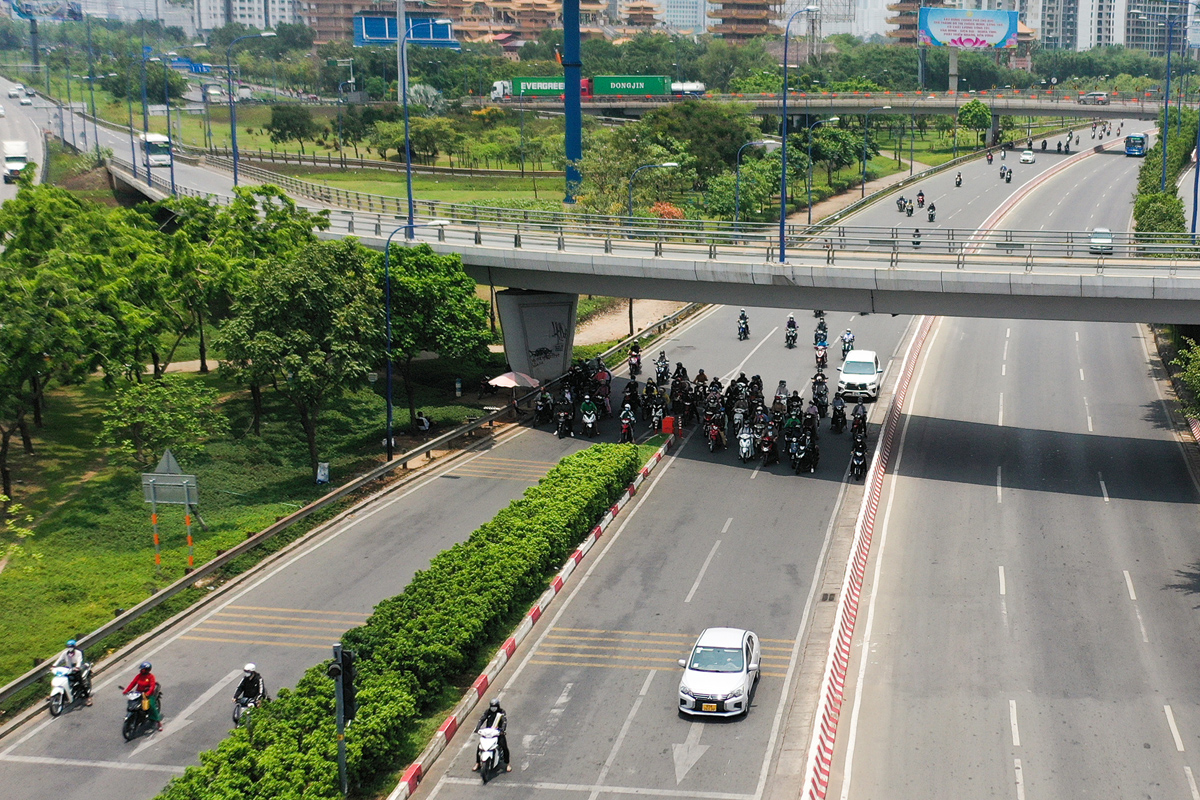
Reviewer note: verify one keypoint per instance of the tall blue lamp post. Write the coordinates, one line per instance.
(737, 173)
(404, 100)
(810, 130)
(387, 304)
(1170, 20)
(233, 97)
(787, 31)
(866, 131)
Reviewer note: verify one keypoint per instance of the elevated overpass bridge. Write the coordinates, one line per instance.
(1144, 105)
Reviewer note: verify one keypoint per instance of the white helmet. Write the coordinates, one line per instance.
(249, 668)
(791, 316)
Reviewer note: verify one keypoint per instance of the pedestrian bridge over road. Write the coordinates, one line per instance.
(1039, 104)
(1004, 274)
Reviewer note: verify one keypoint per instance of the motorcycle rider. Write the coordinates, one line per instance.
(648, 398)
(744, 320)
(837, 404)
(495, 717)
(627, 418)
(252, 689)
(588, 407)
(908, 209)
(701, 378)
(795, 404)
(680, 372)
(920, 197)
(811, 415)
(860, 412)
(564, 406)
(791, 322)
(147, 684)
(958, 179)
(847, 338)
(73, 659)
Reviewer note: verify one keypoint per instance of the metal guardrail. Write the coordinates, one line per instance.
(332, 160)
(399, 462)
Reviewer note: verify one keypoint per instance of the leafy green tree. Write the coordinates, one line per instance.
(1188, 360)
(146, 418)
(291, 122)
(763, 81)
(430, 136)
(311, 324)
(724, 61)
(712, 132)
(434, 309)
(975, 116)
(609, 161)
(387, 136)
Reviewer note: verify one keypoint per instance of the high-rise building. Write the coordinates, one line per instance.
(904, 19)
(739, 20)
(260, 14)
(686, 16)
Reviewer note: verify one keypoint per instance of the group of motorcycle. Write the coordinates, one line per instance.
(907, 206)
(586, 388)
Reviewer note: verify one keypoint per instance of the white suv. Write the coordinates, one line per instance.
(860, 375)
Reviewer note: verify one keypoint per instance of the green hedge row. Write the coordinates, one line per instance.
(1162, 212)
(414, 644)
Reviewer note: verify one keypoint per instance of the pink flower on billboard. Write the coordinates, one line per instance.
(968, 41)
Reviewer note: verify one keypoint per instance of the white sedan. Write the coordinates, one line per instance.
(720, 675)
(26, 101)
(1028, 157)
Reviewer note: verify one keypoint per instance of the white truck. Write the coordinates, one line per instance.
(16, 156)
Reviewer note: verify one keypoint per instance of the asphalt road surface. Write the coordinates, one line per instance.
(1037, 636)
(18, 124)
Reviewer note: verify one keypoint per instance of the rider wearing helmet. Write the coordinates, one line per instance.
(495, 717)
(791, 323)
(147, 684)
(73, 659)
(251, 689)
(744, 320)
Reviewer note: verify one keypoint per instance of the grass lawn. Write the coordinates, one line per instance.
(450, 188)
(92, 550)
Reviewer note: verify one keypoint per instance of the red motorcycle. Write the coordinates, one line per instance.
(712, 433)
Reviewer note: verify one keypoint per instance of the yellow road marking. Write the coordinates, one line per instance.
(631, 633)
(684, 645)
(330, 639)
(627, 666)
(301, 610)
(252, 641)
(490, 459)
(608, 648)
(226, 614)
(497, 476)
(222, 621)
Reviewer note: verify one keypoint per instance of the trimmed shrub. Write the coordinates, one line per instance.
(415, 645)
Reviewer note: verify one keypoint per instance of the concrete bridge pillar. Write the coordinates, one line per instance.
(994, 129)
(539, 330)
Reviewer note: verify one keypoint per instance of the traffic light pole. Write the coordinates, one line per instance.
(340, 715)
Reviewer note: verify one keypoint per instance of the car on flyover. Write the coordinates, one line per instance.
(26, 100)
(1094, 99)
(1100, 241)
(720, 674)
(1028, 157)
(860, 375)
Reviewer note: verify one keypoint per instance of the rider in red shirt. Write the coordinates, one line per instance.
(147, 684)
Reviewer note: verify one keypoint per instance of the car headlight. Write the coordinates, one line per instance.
(685, 690)
(735, 693)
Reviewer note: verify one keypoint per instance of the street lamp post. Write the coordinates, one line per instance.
(810, 163)
(341, 102)
(521, 100)
(404, 101)
(866, 131)
(387, 300)
(232, 98)
(787, 30)
(92, 85)
(665, 164)
(769, 144)
(167, 105)
(1170, 20)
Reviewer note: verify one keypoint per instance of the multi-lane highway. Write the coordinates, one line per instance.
(713, 542)
(1038, 635)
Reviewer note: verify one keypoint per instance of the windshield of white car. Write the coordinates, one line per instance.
(859, 368)
(717, 659)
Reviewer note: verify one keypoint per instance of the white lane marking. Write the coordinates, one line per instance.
(1005, 356)
(1129, 586)
(1077, 336)
(1007, 332)
(1087, 409)
(1004, 369)
(852, 737)
(1000, 418)
(738, 368)
(79, 762)
(999, 499)
(1141, 623)
(1019, 774)
(1003, 582)
(184, 719)
(725, 529)
(754, 473)
(703, 570)
(1103, 486)
(1012, 722)
(1174, 728)
(1192, 783)
(612, 755)
(1081, 373)
(687, 754)
(582, 787)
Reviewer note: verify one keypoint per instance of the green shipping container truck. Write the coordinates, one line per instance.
(537, 87)
(631, 85)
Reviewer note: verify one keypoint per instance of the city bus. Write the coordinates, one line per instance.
(156, 150)
(1135, 144)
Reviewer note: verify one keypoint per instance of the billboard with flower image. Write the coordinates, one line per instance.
(966, 29)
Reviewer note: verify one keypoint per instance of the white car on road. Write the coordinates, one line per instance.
(719, 676)
(860, 375)
(1028, 157)
(26, 101)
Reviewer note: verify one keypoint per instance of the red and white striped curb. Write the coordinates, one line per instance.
(419, 768)
(833, 682)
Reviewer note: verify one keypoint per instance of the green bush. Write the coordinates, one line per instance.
(415, 644)
(1155, 212)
